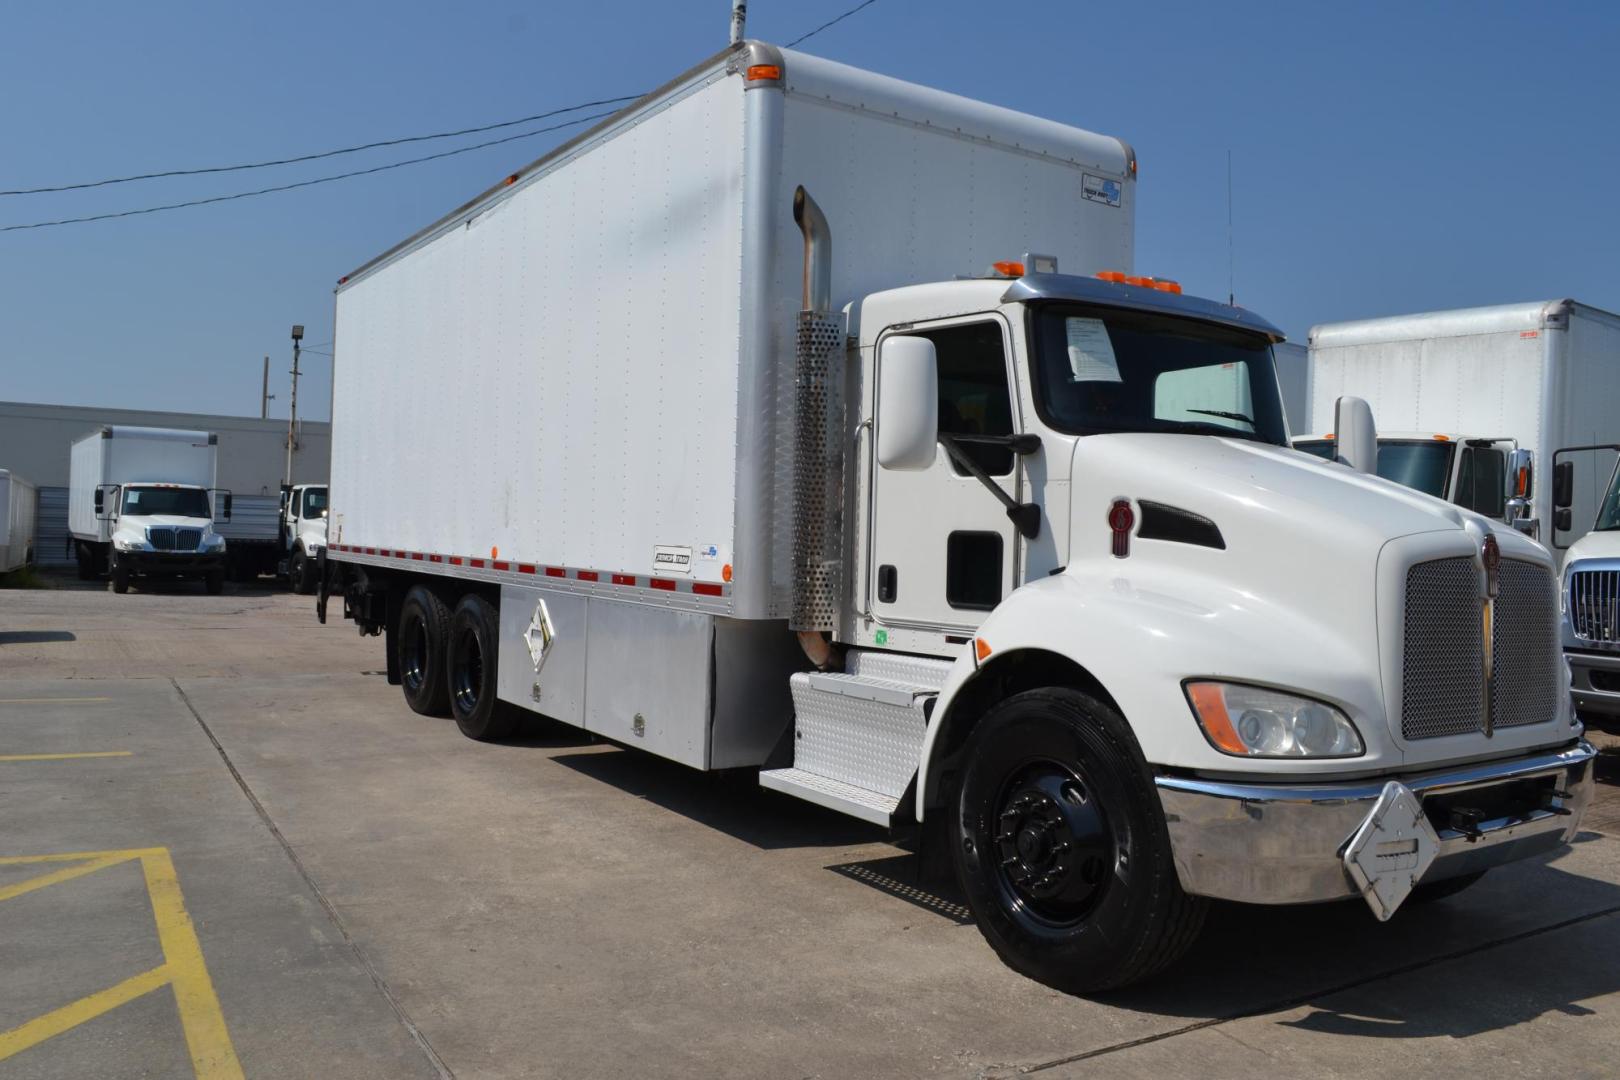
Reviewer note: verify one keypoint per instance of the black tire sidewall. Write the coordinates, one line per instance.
(1078, 731)
(422, 606)
(476, 620)
(298, 573)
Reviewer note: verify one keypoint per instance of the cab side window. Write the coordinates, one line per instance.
(974, 398)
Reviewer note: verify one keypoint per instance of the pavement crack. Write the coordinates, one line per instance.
(377, 980)
(1297, 1000)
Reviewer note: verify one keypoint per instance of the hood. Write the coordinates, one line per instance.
(1604, 544)
(166, 521)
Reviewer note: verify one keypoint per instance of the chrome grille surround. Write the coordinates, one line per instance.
(1443, 660)
(1526, 651)
(1594, 604)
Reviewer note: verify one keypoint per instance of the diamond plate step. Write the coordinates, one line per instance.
(833, 794)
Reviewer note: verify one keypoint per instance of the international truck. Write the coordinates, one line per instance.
(804, 420)
(1591, 582)
(302, 534)
(142, 503)
(1469, 401)
(19, 509)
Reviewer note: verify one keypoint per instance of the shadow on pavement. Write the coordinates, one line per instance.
(729, 802)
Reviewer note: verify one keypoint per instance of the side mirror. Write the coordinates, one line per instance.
(908, 404)
(100, 502)
(1521, 471)
(227, 516)
(286, 490)
(1563, 488)
(1355, 436)
(1563, 518)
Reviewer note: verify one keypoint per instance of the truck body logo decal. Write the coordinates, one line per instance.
(1101, 189)
(672, 560)
(540, 635)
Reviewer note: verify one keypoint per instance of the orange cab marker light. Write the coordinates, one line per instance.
(1210, 705)
(764, 71)
(981, 649)
(1166, 285)
(510, 180)
(1442, 438)
(1111, 275)
(1009, 269)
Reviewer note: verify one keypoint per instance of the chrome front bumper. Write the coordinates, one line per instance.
(1287, 844)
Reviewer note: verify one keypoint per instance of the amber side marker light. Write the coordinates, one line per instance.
(1210, 705)
(981, 649)
(764, 71)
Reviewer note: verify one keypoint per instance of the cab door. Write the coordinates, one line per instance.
(942, 550)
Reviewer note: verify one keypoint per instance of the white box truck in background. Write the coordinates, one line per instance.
(19, 509)
(302, 534)
(692, 435)
(1591, 585)
(142, 503)
(1456, 392)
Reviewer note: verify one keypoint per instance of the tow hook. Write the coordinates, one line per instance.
(1465, 819)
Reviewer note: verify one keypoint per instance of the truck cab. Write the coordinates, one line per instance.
(163, 530)
(1591, 594)
(303, 533)
(1472, 471)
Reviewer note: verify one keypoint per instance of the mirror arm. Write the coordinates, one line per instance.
(1023, 444)
(1025, 516)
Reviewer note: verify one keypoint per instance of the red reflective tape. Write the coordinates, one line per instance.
(586, 575)
(371, 551)
(706, 588)
(525, 568)
(478, 563)
(624, 579)
(501, 565)
(435, 558)
(416, 555)
(455, 560)
(556, 571)
(659, 583)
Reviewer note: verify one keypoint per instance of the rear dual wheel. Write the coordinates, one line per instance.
(1061, 847)
(447, 661)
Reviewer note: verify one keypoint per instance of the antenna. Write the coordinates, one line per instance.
(1231, 286)
(739, 19)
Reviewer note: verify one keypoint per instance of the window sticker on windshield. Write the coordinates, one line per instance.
(1091, 351)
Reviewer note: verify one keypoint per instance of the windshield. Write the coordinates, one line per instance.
(176, 502)
(1101, 369)
(1609, 515)
(314, 502)
(1424, 466)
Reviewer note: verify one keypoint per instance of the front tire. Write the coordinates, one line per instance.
(214, 582)
(298, 574)
(119, 575)
(1061, 848)
(471, 670)
(424, 632)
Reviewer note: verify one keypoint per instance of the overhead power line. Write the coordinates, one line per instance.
(825, 25)
(305, 183)
(318, 156)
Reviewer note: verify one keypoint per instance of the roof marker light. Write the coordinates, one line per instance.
(1008, 269)
(764, 72)
(1112, 275)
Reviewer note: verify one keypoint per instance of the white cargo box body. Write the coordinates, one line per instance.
(1546, 373)
(122, 455)
(19, 508)
(589, 371)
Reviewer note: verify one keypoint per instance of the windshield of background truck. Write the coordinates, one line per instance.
(1609, 514)
(314, 502)
(1103, 370)
(176, 502)
(1422, 466)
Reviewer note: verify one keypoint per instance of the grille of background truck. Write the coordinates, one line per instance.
(163, 539)
(1444, 648)
(1594, 604)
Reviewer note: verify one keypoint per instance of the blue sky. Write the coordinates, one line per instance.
(1386, 157)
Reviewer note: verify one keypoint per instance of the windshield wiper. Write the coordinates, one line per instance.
(1223, 414)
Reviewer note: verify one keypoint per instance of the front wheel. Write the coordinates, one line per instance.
(474, 645)
(1061, 847)
(298, 573)
(119, 575)
(214, 582)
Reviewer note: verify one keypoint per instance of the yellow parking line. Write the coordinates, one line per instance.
(65, 757)
(75, 1013)
(51, 700)
(52, 878)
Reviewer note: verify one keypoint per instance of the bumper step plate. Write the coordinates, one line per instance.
(1392, 850)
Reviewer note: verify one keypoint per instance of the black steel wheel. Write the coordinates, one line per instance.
(424, 631)
(1061, 847)
(119, 574)
(471, 666)
(298, 574)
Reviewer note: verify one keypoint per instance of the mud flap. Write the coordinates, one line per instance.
(1392, 850)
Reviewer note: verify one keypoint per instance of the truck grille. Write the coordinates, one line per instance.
(166, 539)
(1444, 640)
(1526, 653)
(1594, 604)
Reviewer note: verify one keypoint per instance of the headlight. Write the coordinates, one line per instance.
(213, 542)
(1250, 721)
(122, 543)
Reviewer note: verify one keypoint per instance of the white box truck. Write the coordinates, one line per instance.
(693, 435)
(1591, 583)
(1456, 392)
(302, 534)
(19, 509)
(142, 503)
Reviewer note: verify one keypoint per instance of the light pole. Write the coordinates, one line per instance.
(292, 415)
